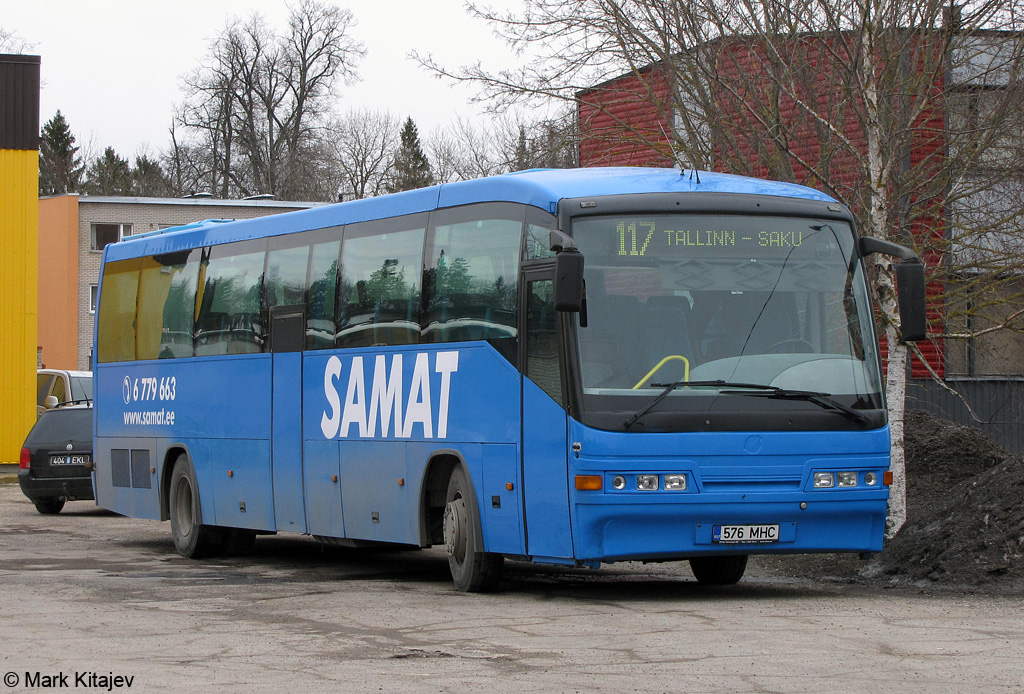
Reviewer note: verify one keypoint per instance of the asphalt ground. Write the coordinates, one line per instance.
(90, 597)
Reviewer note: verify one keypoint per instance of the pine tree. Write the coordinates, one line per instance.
(109, 175)
(411, 168)
(60, 167)
(149, 179)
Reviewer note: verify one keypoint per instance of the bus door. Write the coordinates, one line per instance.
(544, 449)
(287, 340)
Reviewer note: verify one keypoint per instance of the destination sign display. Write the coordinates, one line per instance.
(678, 236)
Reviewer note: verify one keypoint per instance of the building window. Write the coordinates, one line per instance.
(102, 234)
(92, 297)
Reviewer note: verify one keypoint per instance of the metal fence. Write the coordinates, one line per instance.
(999, 404)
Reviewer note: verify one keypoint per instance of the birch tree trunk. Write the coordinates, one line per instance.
(879, 171)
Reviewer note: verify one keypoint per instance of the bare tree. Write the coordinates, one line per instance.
(11, 43)
(463, 151)
(856, 98)
(260, 102)
(363, 145)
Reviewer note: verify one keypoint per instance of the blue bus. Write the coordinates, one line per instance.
(567, 367)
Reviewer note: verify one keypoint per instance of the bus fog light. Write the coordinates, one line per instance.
(675, 482)
(847, 479)
(647, 483)
(618, 482)
(870, 479)
(824, 480)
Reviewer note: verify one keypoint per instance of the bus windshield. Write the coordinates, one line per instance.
(775, 302)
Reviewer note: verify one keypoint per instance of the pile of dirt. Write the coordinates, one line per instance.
(965, 519)
(965, 512)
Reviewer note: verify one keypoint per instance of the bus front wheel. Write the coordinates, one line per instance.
(718, 571)
(191, 538)
(472, 570)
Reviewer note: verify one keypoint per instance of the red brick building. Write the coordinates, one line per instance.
(627, 121)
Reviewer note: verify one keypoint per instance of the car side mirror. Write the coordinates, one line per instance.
(50, 402)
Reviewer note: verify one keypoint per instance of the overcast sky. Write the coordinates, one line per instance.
(114, 67)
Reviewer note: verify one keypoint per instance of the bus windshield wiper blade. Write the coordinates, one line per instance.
(668, 388)
(823, 400)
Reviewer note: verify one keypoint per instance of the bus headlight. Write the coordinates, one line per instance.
(647, 483)
(824, 480)
(675, 483)
(847, 479)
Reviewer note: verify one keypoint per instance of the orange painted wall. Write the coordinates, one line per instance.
(58, 281)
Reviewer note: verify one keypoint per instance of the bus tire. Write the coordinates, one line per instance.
(718, 571)
(191, 538)
(473, 571)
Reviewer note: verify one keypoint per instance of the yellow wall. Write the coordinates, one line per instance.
(19, 266)
(58, 281)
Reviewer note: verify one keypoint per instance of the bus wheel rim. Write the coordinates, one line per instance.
(455, 528)
(184, 507)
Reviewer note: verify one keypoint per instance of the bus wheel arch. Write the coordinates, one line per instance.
(432, 496)
(170, 458)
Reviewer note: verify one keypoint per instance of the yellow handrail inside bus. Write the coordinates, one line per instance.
(671, 357)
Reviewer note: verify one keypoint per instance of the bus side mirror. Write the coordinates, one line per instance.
(910, 285)
(569, 281)
(910, 289)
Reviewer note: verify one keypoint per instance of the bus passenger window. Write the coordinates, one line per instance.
(116, 330)
(285, 283)
(321, 295)
(380, 294)
(229, 314)
(167, 300)
(471, 283)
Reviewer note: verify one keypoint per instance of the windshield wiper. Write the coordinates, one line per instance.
(668, 388)
(823, 400)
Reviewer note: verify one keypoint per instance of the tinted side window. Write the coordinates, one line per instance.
(381, 268)
(43, 382)
(286, 276)
(167, 299)
(229, 319)
(542, 338)
(116, 320)
(537, 237)
(322, 295)
(471, 276)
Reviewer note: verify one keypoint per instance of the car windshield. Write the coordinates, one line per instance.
(770, 301)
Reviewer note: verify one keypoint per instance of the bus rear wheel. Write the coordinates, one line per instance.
(718, 571)
(473, 571)
(191, 538)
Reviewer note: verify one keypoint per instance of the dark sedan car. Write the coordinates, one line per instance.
(56, 460)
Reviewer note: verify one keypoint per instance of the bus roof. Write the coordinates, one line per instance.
(542, 188)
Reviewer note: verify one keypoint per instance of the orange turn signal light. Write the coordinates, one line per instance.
(589, 482)
(887, 478)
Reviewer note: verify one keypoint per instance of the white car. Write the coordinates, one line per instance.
(58, 386)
